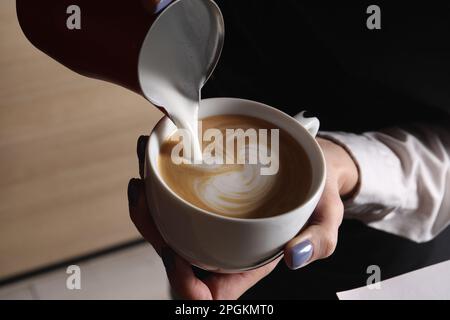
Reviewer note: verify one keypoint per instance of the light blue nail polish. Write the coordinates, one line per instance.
(161, 5)
(301, 253)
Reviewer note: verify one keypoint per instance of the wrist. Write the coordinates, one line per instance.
(349, 176)
(349, 180)
(342, 166)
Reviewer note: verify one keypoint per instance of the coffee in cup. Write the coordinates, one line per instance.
(236, 189)
(217, 241)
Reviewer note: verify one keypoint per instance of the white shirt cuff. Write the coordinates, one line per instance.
(379, 188)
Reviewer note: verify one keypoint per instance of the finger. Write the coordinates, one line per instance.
(140, 215)
(182, 278)
(151, 4)
(140, 150)
(232, 286)
(319, 239)
(179, 272)
(155, 6)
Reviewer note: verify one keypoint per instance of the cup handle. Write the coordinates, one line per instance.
(311, 124)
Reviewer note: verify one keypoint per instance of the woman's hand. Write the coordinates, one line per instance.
(319, 239)
(316, 241)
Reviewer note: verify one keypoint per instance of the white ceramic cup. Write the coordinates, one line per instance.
(218, 243)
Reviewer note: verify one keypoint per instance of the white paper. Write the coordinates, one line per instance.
(432, 282)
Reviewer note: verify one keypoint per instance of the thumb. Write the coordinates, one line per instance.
(319, 239)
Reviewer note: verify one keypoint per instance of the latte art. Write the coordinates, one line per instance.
(240, 190)
(234, 192)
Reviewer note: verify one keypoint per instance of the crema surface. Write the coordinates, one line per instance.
(240, 190)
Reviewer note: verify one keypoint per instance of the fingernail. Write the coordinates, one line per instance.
(141, 145)
(301, 253)
(161, 4)
(133, 192)
(168, 258)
